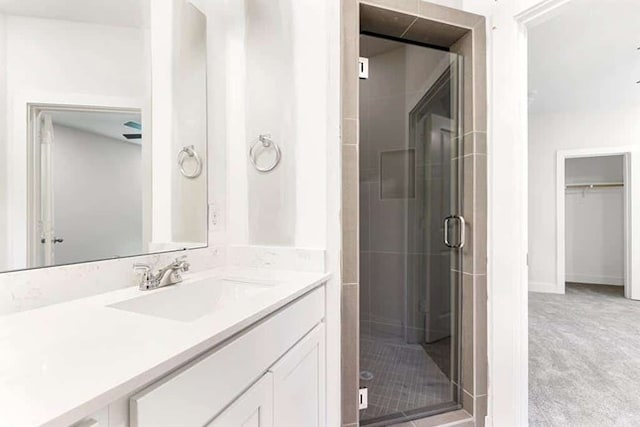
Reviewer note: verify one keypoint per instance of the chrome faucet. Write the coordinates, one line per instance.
(169, 275)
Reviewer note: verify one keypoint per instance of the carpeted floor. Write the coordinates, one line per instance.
(584, 358)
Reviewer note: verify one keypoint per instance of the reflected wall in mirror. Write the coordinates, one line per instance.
(103, 137)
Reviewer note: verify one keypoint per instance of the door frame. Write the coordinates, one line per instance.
(473, 42)
(630, 288)
(524, 20)
(449, 76)
(34, 158)
(454, 310)
(19, 170)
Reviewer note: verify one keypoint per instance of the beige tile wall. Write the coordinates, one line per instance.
(350, 213)
(403, 19)
(473, 376)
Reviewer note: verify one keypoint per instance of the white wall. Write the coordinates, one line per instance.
(190, 84)
(272, 108)
(332, 209)
(162, 39)
(548, 133)
(50, 59)
(3, 141)
(61, 56)
(278, 84)
(179, 119)
(97, 196)
(313, 97)
(594, 237)
(600, 169)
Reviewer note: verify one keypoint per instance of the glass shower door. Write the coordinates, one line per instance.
(411, 231)
(433, 278)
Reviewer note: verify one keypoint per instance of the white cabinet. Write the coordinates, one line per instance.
(299, 383)
(291, 394)
(287, 347)
(253, 409)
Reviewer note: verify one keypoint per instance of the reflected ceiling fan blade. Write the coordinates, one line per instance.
(133, 125)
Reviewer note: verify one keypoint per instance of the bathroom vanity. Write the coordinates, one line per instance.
(224, 347)
(118, 160)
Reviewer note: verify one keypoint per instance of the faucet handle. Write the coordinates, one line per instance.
(144, 277)
(182, 263)
(142, 271)
(142, 268)
(180, 260)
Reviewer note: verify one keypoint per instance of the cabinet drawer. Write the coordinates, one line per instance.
(195, 394)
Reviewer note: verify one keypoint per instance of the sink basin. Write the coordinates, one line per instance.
(187, 302)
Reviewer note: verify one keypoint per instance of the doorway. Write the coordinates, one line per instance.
(581, 195)
(434, 304)
(73, 153)
(593, 217)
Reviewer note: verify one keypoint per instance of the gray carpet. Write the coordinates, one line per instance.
(584, 358)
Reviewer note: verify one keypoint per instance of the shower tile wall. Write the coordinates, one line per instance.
(399, 77)
(350, 326)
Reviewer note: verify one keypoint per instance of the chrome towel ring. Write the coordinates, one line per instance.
(189, 152)
(267, 142)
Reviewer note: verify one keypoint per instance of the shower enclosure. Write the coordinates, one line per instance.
(411, 230)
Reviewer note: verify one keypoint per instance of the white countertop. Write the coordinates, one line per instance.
(63, 362)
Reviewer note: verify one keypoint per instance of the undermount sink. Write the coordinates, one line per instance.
(189, 301)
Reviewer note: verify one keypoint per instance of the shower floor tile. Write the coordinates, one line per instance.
(404, 378)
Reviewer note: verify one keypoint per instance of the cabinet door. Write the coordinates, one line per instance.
(254, 408)
(299, 383)
(193, 395)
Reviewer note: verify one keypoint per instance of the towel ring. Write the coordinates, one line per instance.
(189, 151)
(267, 142)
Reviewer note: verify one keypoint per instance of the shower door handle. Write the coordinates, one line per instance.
(463, 226)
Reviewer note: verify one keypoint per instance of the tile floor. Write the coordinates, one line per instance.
(404, 377)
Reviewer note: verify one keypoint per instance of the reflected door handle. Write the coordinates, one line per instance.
(56, 240)
(463, 225)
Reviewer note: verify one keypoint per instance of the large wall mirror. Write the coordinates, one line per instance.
(103, 135)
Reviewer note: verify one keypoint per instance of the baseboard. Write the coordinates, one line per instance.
(544, 287)
(596, 280)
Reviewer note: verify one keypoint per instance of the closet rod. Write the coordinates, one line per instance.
(610, 185)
